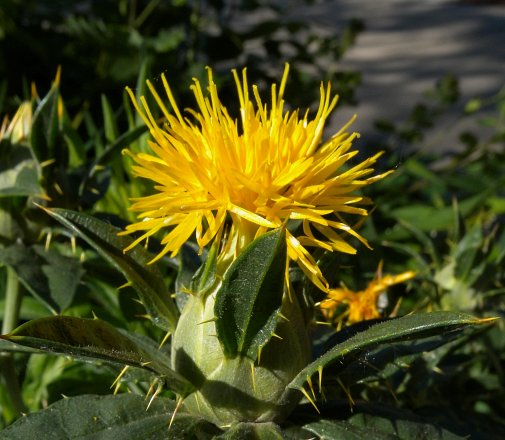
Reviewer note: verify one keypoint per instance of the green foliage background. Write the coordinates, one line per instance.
(446, 223)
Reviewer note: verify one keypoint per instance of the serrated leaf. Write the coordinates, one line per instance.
(94, 339)
(417, 326)
(248, 302)
(125, 417)
(49, 276)
(145, 278)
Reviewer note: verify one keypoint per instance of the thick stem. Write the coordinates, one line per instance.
(10, 320)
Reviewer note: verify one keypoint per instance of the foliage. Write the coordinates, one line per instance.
(431, 374)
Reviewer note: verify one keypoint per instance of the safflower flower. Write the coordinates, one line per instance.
(363, 304)
(264, 169)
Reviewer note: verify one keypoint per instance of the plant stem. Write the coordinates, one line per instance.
(7, 365)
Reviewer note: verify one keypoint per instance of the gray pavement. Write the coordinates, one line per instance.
(407, 46)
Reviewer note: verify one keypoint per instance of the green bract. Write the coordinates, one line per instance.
(242, 342)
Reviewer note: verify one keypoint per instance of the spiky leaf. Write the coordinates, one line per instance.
(49, 276)
(125, 417)
(248, 302)
(420, 325)
(146, 279)
(94, 339)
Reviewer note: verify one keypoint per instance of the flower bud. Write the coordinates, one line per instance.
(239, 389)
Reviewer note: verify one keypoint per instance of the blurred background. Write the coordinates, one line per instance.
(426, 81)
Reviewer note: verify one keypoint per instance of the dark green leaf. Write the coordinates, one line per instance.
(48, 275)
(44, 131)
(252, 431)
(109, 120)
(248, 302)
(125, 417)
(342, 430)
(411, 428)
(420, 325)
(94, 339)
(145, 278)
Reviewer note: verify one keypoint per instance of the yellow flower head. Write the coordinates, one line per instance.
(263, 169)
(363, 304)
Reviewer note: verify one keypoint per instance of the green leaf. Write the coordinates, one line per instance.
(400, 425)
(125, 417)
(94, 339)
(18, 171)
(342, 430)
(420, 325)
(248, 302)
(109, 120)
(134, 265)
(205, 277)
(466, 252)
(252, 431)
(431, 218)
(45, 128)
(49, 276)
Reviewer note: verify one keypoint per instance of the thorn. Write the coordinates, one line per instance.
(127, 284)
(73, 244)
(116, 382)
(347, 393)
(151, 386)
(309, 381)
(309, 399)
(259, 354)
(82, 257)
(207, 321)
(323, 323)
(280, 315)
(165, 339)
(94, 316)
(276, 336)
(158, 391)
(46, 163)
(177, 406)
(58, 188)
(253, 377)
(49, 237)
(320, 373)
(57, 78)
